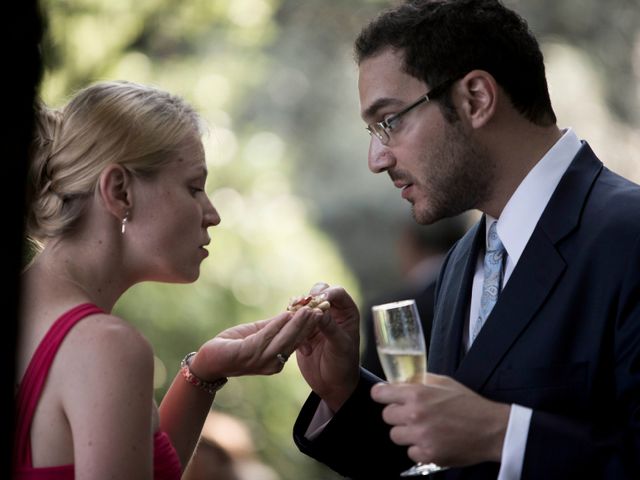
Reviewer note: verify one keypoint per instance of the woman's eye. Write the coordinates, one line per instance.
(195, 190)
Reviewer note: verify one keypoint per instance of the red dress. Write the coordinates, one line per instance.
(166, 463)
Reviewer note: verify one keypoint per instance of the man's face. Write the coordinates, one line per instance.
(442, 172)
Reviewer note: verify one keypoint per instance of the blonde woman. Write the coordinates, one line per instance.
(117, 179)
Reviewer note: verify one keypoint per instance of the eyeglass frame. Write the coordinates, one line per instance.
(385, 127)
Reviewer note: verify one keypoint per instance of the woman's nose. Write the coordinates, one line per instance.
(211, 216)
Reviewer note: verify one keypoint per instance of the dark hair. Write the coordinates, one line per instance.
(445, 39)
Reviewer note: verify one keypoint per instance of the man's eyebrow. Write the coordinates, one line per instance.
(380, 103)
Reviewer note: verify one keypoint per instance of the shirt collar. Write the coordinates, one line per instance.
(524, 209)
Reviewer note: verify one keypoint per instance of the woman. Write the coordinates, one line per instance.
(117, 179)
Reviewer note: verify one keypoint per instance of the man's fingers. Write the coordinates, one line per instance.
(318, 287)
(436, 380)
(392, 393)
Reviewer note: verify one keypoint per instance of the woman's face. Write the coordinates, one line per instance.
(169, 219)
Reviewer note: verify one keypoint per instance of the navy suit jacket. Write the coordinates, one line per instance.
(563, 339)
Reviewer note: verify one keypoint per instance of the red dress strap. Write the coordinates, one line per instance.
(36, 375)
(166, 462)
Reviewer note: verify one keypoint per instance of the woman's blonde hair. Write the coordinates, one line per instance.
(136, 126)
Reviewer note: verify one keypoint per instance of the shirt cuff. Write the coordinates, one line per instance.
(515, 443)
(319, 421)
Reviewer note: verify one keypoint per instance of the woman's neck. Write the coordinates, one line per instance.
(73, 271)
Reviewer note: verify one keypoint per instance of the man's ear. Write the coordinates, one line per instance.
(115, 190)
(479, 96)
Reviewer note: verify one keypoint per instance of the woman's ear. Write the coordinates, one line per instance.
(479, 91)
(115, 190)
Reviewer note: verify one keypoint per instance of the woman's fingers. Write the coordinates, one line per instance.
(303, 324)
(279, 337)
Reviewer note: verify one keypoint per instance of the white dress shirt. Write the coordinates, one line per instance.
(515, 226)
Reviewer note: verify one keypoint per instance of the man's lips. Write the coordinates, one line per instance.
(406, 191)
(405, 187)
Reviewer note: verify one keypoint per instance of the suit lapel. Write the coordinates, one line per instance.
(539, 269)
(452, 309)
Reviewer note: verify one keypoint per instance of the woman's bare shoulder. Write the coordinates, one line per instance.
(107, 342)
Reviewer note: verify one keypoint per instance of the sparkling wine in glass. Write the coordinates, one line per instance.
(403, 354)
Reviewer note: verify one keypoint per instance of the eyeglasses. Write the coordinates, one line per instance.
(383, 129)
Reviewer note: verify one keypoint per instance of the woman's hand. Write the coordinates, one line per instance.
(257, 348)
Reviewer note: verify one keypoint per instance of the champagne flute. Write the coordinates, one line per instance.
(403, 354)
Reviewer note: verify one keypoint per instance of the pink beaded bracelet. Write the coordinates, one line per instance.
(209, 387)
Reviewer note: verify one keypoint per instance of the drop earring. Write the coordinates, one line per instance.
(124, 223)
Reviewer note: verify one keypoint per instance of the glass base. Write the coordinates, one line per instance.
(420, 469)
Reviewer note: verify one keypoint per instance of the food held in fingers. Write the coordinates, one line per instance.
(311, 301)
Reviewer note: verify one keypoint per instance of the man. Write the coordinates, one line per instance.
(543, 383)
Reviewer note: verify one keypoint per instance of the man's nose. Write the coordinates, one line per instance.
(380, 157)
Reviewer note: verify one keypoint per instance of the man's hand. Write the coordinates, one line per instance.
(443, 421)
(329, 359)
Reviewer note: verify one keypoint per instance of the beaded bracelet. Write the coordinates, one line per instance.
(209, 387)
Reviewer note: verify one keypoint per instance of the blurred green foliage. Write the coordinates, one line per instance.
(268, 246)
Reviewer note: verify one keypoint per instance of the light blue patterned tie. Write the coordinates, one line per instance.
(493, 270)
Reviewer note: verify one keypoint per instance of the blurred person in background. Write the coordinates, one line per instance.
(535, 346)
(420, 251)
(210, 461)
(226, 451)
(117, 197)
